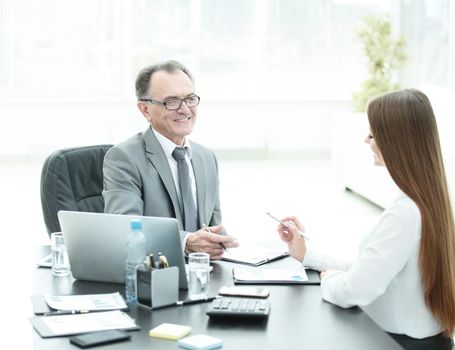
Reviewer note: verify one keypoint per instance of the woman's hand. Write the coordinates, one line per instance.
(326, 273)
(289, 233)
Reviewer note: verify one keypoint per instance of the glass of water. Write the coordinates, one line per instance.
(199, 275)
(60, 261)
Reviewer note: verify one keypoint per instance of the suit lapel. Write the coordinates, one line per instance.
(199, 175)
(155, 154)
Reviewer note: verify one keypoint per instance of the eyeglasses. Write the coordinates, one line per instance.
(175, 103)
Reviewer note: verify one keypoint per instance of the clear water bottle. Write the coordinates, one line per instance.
(135, 256)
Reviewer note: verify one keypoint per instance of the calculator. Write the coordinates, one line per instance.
(239, 307)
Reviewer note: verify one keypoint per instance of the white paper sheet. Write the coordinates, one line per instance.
(89, 302)
(89, 322)
(271, 275)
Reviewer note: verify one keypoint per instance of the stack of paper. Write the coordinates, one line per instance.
(89, 302)
(74, 314)
(53, 326)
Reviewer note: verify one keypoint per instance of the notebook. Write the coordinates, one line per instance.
(96, 244)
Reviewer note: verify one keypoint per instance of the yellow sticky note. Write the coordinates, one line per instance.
(170, 331)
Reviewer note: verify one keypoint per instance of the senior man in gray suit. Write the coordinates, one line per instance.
(160, 172)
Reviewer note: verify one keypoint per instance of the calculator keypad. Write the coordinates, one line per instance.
(239, 307)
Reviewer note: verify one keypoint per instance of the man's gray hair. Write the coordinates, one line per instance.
(144, 76)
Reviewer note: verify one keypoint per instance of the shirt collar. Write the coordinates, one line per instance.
(169, 146)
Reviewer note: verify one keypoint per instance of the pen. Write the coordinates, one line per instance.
(195, 301)
(287, 225)
(207, 229)
(164, 264)
(65, 312)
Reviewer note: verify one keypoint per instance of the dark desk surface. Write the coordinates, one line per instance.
(298, 319)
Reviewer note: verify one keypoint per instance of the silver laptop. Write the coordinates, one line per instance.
(96, 244)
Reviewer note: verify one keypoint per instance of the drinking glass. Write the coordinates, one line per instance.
(60, 261)
(199, 275)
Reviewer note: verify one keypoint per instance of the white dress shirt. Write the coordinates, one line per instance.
(385, 280)
(168, 147)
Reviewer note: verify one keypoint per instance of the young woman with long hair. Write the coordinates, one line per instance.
(404, 278)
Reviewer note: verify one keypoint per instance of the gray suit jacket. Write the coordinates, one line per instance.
(138, 181)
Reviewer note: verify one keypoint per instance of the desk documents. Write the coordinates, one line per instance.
(254, 255)
(54, 326)
(74, 314)
(88, 302)
(269, 276)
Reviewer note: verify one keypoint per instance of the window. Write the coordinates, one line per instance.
(246, 49)
(427, 26)
(64, 49)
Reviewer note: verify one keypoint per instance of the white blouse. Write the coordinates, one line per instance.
(385, 280)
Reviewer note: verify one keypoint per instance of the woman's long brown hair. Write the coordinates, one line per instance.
(405, 130)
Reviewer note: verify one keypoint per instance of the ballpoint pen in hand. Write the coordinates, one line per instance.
(285, 224)
(207, 229)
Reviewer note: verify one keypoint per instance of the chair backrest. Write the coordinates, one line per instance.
(72, 179)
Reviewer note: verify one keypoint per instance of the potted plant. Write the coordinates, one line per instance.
(385, 56)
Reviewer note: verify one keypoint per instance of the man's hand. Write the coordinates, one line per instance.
(210, 242)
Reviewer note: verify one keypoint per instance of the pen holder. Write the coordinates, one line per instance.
(157, 287)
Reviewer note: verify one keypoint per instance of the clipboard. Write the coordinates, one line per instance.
(269, 276)
(254, 255)
(56, 326)
(40, 305)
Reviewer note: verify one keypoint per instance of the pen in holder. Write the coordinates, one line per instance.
(157, 287)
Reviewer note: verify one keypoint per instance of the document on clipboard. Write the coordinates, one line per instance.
(253, 255)
(270, 276)
(55, 326)
(89, 302)
(44, 304)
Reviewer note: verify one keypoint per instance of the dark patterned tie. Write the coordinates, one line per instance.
(189, 209)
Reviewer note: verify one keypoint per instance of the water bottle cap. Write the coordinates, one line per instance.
(136, 224)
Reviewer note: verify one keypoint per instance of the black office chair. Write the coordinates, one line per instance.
(72, 179)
